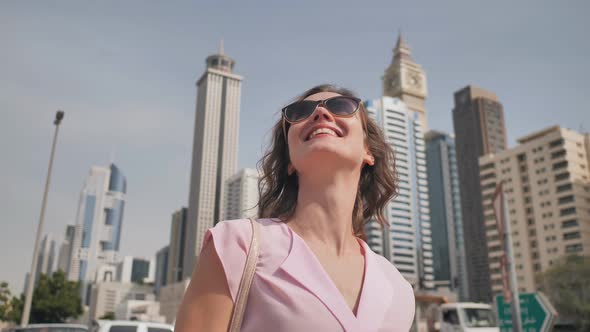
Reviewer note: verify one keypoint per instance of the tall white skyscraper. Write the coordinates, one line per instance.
(407, 243)
(215, 150)
(98, 225)
(242, 195)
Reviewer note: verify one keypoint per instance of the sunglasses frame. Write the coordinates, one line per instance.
(319, 102)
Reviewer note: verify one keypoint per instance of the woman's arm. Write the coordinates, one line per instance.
(207, 304)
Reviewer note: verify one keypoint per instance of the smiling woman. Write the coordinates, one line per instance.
(327, 173)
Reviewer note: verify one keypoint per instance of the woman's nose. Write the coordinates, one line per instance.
(322, 112)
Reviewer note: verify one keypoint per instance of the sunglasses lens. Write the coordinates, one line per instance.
(301, 110)
(342, 105)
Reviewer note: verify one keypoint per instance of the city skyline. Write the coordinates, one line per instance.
(122, 90)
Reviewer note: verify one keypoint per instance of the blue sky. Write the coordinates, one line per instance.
(125, 73)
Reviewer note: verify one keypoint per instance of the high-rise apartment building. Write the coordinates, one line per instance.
(215, 150)
(445, 213)
(407, 242)
(65, 250)
(546, 180)
(242, 195)
(46, 258)
(161, 269)
(133, 269)
(406, 80)
(98, 225)
(176, 247)
(478, 120)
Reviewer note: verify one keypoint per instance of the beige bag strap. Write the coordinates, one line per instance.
(246, 281)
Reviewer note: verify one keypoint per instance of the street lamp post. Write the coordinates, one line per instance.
(59, 115)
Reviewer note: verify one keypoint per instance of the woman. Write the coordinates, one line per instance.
(327, 172)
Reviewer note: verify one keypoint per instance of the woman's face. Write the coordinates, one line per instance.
(326, 140)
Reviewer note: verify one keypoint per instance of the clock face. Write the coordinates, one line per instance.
(414, 80)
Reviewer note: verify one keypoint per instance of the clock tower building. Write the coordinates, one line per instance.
(406, 80)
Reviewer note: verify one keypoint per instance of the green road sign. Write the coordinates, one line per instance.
(536, 313)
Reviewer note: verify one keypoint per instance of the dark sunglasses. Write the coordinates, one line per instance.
(341, 106)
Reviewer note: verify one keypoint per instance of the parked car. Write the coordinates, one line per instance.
(51, 328)
(128, 326)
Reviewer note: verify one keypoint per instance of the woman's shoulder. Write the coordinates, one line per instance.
(392, 273)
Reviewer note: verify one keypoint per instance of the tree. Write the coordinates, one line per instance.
(567, 284)
(5, 298)
(55, 299)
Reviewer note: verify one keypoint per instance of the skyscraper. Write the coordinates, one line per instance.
(215, 149)
(406, 80)
(445, 213)
(161, 269)
(478, 119)
(98, 225)
(407, 242)
(65, 250)
(242, 195)
(546, 181)
(176, 247)
(46, 260)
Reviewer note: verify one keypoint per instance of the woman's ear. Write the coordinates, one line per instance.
(290, 169)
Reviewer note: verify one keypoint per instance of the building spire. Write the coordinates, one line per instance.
(221, 47)
(401, 47)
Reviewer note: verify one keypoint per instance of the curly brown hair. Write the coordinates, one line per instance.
(377, 185)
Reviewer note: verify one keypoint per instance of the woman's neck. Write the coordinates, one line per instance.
(323, 215)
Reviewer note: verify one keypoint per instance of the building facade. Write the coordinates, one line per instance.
(546, 181)
(98, 225)
(177, 245)
(478, 120)
(407, 242)
(406, 80)
(161, 277)
(215, 150)
(65, 250)
(106, 296)
(242, 195)
(445, 213)
(170, 299)
(133, 269)
(46, 260)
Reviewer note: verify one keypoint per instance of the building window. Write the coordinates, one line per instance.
(567, 212)
(557, 154)
(560, 165)
(555, 143)
(564, 187)
(571, 235)
(566, 199)
(573, 248)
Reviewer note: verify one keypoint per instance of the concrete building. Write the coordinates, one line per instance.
(478, 120)
(407, 243)
(177, 246)
(161, 278)
(98, 226)
(242, 195)
(106, 296)
(445, 213)
(46, 261)
(170, 298)
(406, 80)
(215, 150)
(65, 250)
(140, 310)
(546, 181)
(133, 269)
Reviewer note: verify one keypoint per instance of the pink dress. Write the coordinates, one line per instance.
(292, 292)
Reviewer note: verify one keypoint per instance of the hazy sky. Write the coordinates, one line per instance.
(125, 73)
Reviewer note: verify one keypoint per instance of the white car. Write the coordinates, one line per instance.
(128, 326)
(467, 317)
